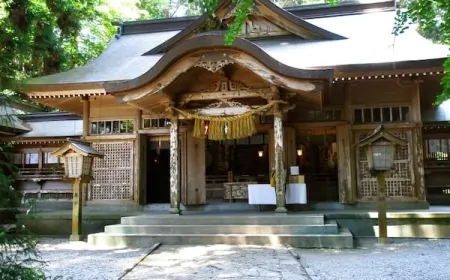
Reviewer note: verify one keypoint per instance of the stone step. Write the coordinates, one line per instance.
(343, 239)
(263, 219)
(329, 228)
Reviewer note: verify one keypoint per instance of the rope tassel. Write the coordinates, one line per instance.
(226, 127)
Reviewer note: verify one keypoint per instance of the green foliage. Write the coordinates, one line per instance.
(8, 196)
(243, 9)
(433, 20)
(153, 9)
(42, 37)
(19, 257)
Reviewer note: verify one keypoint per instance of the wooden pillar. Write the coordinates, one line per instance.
(86, 116)
(348, 151)
(77, 211)
(345, 163)
(279, 162)
(174, 166)
(418, 163)
(382, 216)
(138, 159)
(417, 143)
(86, 132)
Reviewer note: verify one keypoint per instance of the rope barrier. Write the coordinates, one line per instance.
(226, 127)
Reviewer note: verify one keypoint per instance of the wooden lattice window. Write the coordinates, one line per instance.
(381, 114)
(398, 181)
(155, 123)
(113, 175)
(112, 127)
(437, 149)
(327, 114)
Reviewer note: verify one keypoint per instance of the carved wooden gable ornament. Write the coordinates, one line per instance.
(265, 20)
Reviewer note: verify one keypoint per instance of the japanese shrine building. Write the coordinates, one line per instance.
(316, 79)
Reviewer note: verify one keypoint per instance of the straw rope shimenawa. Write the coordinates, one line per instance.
(237, 126)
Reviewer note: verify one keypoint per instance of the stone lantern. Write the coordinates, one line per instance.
(380, 149)
(78, 157)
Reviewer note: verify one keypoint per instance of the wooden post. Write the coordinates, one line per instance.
(417, 143)
(346, 159)
(174, 166)
(86, 132)
(86, 116)
(418, 163)
(279, 164)
(77, 213)
(382, 217)
(349, 149)
(138, 159)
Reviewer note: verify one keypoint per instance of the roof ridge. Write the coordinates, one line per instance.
(264, 9)
(303, 12)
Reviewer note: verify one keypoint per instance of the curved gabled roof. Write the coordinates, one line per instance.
(268, 10)
(215, 41)
(370, 45)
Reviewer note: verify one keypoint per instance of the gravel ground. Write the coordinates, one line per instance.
(80, 261)
(408, 260)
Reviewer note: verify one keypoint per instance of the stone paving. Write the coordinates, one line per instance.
(219, 262)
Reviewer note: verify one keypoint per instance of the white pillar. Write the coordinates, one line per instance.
(174, 167)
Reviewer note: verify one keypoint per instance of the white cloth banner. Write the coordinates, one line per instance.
(264, 194)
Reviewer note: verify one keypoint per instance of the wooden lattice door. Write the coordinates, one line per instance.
(113, 175)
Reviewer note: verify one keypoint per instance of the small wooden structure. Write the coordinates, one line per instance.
(163, 106)
(78, 159)
(380, 148)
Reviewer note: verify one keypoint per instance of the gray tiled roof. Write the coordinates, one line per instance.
(65, 128)
(85, 147)
(370, 41)
(9, 120)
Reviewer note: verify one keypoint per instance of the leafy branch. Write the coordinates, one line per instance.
(432, 19)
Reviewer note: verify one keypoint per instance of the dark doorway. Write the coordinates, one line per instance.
(242, 160)
(318, 163)
(158, 176)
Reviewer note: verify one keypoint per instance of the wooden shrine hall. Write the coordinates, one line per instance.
(183, 119)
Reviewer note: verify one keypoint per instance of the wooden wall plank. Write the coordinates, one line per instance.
(345, 164)
(195, 169)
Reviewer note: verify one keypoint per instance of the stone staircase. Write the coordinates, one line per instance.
(298, 230)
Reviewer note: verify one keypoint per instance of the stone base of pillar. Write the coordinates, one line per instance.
(174, 211)
(281, 209)
(76, 237)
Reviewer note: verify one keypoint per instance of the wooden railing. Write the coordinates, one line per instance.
(40, 173)
(215, 184)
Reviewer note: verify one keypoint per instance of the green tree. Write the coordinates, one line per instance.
(19, 257)
(433, 20)
(43, 37)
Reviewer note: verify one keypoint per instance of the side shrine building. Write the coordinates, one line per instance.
(183, 119)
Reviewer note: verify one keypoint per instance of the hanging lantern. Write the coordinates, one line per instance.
(206, 127)
(300, 150)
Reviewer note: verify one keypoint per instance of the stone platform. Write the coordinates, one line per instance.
(298, 230)
(408, 223)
